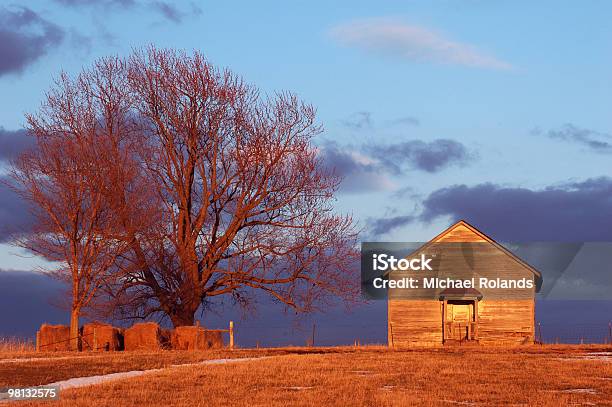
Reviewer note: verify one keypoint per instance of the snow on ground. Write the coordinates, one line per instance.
(578, 391)
(93, 380)
(598, 356)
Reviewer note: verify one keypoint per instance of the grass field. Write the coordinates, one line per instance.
(536, 375)
(16, 345)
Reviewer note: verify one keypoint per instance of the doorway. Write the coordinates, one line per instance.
(460, 319)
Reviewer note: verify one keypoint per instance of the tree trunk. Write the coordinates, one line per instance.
(74, 329)
(182, 318)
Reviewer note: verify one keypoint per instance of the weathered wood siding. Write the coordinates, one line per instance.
(414, 323)
(506, 322)
(501, 321)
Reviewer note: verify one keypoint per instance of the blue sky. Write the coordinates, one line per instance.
(513, 99)
(498, 112)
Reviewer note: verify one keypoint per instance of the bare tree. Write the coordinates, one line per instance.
(191, 185)
(245, 203)
(66, 183)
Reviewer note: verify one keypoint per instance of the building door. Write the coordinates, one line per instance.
(459, 320)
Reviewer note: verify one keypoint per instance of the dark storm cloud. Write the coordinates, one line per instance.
(579, 211)
(24, 38)
(425, 156)
(14, 215)
(13, 142)
(29, 297)
(35, 293)
(594, 140)
(566, 321)
(564, 231)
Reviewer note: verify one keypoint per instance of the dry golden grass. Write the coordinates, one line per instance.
(51, 367)
(12, 345)
(548, 376)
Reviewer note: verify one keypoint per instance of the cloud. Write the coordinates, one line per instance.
(407, 120)
(169, 11)
(359, 172)
(363, 120)
(413, 43)
(359, 120)
(578, 211)
(13, 142)
(369, 167)
(381, 226)
(563, 230)
(24, 38)
(34, 293)
(425, 156)
(77, 3)
(406, 192)
(15, 217)
(166, 9)
(595, 141)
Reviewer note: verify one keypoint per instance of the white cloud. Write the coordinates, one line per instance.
(412, 42)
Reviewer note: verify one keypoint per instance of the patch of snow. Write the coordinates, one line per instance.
(599, 356)
(99, 379)
(92, 380)
(579, 391)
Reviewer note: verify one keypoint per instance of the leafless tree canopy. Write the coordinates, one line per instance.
(207, 187)
(65, 180)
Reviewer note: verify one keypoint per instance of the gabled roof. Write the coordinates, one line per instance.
(484, 237)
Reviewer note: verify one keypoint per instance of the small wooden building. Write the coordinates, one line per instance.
(464, 315)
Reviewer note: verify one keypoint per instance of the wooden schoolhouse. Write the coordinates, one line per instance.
(467, 315)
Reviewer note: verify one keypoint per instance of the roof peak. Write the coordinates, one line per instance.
(485, 237)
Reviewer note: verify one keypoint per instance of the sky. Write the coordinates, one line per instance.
(496, 112)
